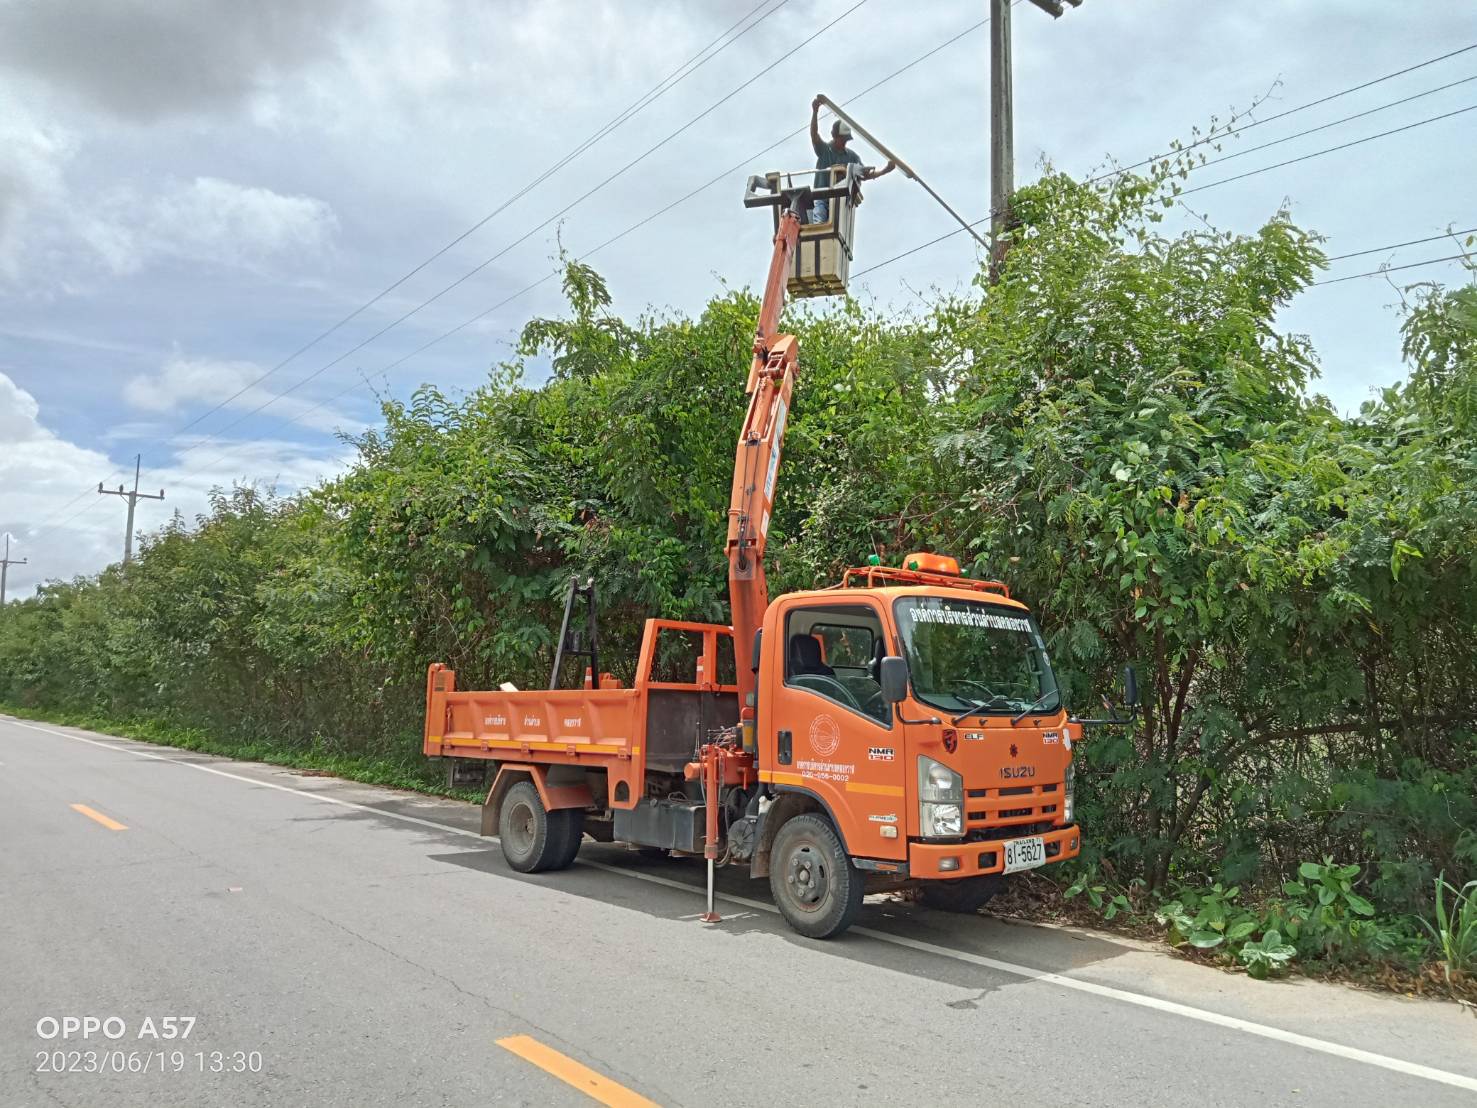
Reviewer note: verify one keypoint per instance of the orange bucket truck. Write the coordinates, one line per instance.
(900, 727)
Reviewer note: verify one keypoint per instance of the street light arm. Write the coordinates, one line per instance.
(908, 170)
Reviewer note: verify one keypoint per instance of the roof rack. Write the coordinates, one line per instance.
(869, 577)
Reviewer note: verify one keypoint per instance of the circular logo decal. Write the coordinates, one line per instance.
(825, 736)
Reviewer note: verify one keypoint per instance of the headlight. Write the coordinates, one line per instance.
(942, 821)
(937, 783)
(940, 800)
(1069, 794)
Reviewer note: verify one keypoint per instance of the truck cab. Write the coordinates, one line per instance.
(916, 710)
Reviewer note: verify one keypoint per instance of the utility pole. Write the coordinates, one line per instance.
(1002, 133)
(1002, 123)
(5, 564)
(133, 498)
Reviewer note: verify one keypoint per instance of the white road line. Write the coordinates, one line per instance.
(1323, 1046)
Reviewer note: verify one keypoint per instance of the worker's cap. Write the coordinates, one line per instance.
(840, 129)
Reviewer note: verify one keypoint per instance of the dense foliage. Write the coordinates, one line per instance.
(1118, 428)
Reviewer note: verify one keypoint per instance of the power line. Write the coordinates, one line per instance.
(534, 230)
(1329, 150)
(1198, 188)
(1284, 114)
(1400, 245)
(664, 86)
(658, 90)
(726, 174)
(1388, 269)
(644, 101)
(629, 230)
(1336, 122)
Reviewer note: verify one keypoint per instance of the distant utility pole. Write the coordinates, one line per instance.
(5, 564)
(1002, 123)
(133, 498)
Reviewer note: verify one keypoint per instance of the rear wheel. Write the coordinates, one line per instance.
(967, 894)
(575, 833)
(533, 838)
(815, 886)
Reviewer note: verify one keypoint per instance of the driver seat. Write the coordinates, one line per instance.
(805, 657)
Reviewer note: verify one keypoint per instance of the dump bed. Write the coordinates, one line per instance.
(680, 697)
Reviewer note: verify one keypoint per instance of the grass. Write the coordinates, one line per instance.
(412, 773)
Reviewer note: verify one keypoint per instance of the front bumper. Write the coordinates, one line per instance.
(979, 858)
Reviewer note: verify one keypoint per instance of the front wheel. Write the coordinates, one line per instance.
(815, 886)
(964, 894)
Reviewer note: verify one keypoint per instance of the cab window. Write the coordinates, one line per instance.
(835, 652)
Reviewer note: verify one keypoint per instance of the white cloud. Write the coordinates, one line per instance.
(63, 226)
(32, 161)
(206, 222)
(184, 384)
(220, 222)
(18, 411)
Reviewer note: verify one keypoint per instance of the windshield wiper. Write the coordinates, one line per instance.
(976, 707)
(1040, 701)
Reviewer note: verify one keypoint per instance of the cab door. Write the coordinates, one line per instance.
(826, 728)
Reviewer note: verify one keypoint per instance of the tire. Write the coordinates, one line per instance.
(575, 835)
(534, 839)
(815, 886)
(966, 894)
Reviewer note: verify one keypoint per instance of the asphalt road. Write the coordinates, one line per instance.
(339, 944)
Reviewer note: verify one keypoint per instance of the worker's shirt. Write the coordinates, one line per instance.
(826, 155)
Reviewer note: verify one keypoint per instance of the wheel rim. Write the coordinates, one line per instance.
(521, 828)
(807, 877)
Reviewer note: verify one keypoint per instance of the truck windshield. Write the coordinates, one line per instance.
(965, 654)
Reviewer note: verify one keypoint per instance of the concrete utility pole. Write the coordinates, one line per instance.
(133, 498)
(1002, 123)
(5, 564)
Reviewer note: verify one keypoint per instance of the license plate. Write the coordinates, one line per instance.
(1025, 854)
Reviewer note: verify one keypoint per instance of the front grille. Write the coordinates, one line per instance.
(1007, 831)
(987, 822)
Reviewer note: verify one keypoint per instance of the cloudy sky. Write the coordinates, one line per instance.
(192, 190)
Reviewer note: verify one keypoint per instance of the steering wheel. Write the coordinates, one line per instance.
(989, 693)
(826, 686)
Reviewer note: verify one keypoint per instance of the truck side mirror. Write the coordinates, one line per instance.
(1130, 687)
(892, 674)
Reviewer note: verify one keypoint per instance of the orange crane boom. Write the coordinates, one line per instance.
(771, 382)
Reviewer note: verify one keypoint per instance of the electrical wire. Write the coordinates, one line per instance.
(662, 87)
(1197, 188)
(641, 103)
(1284, 114)
(550, 276)
(1400, 245)
(916, 61)
(531, 232)
(1336, 122)
(725, 175)
(1391, 269)
(1329, 150)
